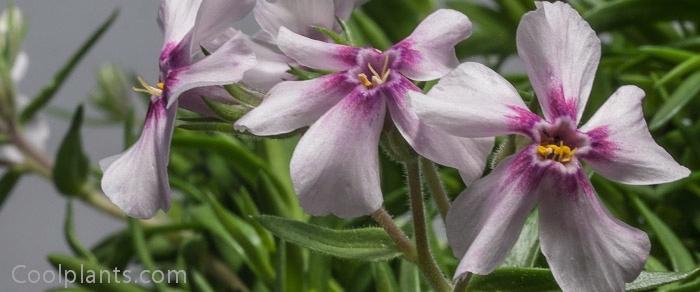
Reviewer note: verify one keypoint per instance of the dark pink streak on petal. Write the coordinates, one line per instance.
(406, 54)
(348, 55)
(601, 147)
(559, 106)
(174, 55)
(363, 103)
(523, 121)
(524, 171)
(397, 87)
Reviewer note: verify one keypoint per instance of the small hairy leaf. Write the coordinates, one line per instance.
(370, 244)
(71, 169)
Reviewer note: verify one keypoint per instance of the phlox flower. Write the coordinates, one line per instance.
(137, 180)
(335, 166)
(586, 247)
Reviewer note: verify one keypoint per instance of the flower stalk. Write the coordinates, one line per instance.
(432, 178)
(426, 262)
(404, 244)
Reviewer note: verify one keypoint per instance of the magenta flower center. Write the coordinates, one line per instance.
(559, 141)
(374, 68)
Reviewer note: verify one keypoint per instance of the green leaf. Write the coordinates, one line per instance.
(647, 280)
(90, 273)
(244, 95)
(72, 239)
(7, 183)
(526, 249)
(688, 90)
(681, 259)
(384, 279)
(227, 112)
(369, 244)
(608, 17)
(371, 30)
(666, 53)
(138, 239)
(48, 92)
(336, 37)
(538, 279)
(409, 277)
(688, 66)
(209, 127)
(72, 166)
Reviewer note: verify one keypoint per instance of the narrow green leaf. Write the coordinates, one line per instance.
(608, 17)
(384, 279)
(200, 282)
(336, 37)
(7, 183)
(409, 277)
(74, 268)
(48, 92)
(537, 279)
(680, 70)
(371, 30)
(370, 244)
(243, 94)
(72, 166)
(526, 249)
(302, 74)
(669, 54)
(647, 281)
(227, 112)
(688, 90)
(680, 257)
(72, 239)
(138, 239)
(209, 127)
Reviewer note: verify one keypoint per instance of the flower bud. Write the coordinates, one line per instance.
(7, 93)
(111, 95)
(12, 31)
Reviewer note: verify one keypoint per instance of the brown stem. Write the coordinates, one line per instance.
(436, 187)
(29, 151)
(425, 259)
(463, 283)
(384, 220)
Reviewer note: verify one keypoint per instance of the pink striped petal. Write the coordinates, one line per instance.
(176, 19)
(561, 54)
(622, 149)
(429, 53)
(485, 220)
(466, 155)
(586, 247)
(294, 104)
(335, 167)
(225, 66)
(474, 101)
(137, 180)
(316, 54)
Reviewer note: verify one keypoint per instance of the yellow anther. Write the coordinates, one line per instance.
(561, 153)
(146, 88)
(364, 80)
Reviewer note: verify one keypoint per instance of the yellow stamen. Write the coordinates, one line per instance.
(146, 88)
(364, 80)
(561, 153)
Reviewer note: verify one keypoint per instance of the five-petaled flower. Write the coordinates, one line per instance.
(335, 165)
(137, 180)
(586, 247)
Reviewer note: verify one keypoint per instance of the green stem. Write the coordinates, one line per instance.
(405, 245)
(426, 262)
(436, 187)
(463, 283)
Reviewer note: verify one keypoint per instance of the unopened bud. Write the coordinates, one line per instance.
(112, 93)
(7, 93)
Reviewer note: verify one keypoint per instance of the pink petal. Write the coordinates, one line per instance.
(271, 68)
(294, 104)
(586, 247)
(214, 16)
(176, 19)
(429, 53)
(561, 54)
(225, 66)
(137, 180)
(299, 16)
(335, 167)
(316, 54)
(622, 148)
(466, 155)
(485, 220)
(474, 101)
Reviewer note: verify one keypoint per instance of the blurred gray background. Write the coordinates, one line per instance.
(31, 219)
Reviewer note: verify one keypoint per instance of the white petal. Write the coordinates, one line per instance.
(294, 104)
(176, 19)
(316, 54)
(214, 16)
(622, 147)
(485, 220)
(335, 167)
(466, 155)
(474, 101)
(561, 54)
(137, 180)
(271, 68)
(299, 16)
(225, 66)
(586, 247)
(429, 53)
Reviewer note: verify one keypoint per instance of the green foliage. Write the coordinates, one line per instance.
(70, 172)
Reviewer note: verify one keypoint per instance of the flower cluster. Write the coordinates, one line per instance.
(364, 93)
